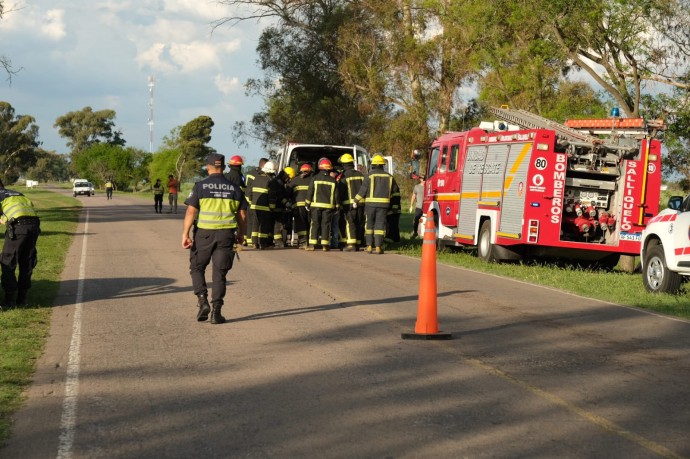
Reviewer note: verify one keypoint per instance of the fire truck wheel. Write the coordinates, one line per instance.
(656, 276)
(485, 248)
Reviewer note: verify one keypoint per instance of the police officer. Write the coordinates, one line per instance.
(322, 200)
(378, 189)
(353, 217)
(221, 219)
(299, 186)
(22, 227)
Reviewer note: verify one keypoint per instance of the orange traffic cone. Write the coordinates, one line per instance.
(427, 317)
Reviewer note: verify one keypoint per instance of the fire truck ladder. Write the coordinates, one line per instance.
(531, 121)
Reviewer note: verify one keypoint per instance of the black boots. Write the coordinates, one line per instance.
(21, 298)
(204, 308)
(10, 301)
(216, 318)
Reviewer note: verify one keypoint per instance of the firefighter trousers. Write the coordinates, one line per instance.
(301, 222)
(353, 227)
(215, 247)
(321, 221)
(262, 228)
(393, 226)
(376, 225)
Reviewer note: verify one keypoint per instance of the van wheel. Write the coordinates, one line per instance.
(656, 276)
(485, 248)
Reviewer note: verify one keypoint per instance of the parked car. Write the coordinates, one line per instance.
(82, 187)
(665, 253)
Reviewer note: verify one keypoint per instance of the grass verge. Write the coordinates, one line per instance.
(23, 331)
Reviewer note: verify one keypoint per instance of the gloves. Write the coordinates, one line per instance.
(354, 204)
(411, 209)
(306, 208)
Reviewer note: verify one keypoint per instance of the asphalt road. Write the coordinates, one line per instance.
(312, 363)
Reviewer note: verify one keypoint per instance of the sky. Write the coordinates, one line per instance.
(100, 53)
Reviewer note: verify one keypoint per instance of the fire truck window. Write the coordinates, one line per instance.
(444, 159)
(433, 162)
(453, 166)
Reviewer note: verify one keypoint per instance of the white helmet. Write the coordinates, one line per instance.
(269, 168)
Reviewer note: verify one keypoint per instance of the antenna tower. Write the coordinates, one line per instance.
(152, 82)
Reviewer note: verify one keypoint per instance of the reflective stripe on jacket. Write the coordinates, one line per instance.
(322, 192)
(16, 206)
(377, 189)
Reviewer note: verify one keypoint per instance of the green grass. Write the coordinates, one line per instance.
(616, 287)
(23, 331)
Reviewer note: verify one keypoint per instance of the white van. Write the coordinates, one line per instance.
(296, 154)
(81, 186)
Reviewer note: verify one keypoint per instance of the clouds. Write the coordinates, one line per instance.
(99, 53)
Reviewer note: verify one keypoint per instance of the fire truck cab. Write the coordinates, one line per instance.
(532, 187)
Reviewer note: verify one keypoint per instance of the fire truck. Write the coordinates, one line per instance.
(526, 186)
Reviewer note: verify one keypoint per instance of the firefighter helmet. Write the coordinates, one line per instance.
(269, 168)
(378, 160)
(306, 167)
(290, 172)
(236, 161)
(346, 159)
(325, 164)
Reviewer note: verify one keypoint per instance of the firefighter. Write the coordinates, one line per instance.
(250, 213)
(282, 212)
(377, 189)
(352, 218)
(235, 173)
(221, 217)
(393, 218)
(299, 186)
(262, 201)
(322, 200)
(22, 227)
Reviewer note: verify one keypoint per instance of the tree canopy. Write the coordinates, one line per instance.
(18, 143)
(85, 127)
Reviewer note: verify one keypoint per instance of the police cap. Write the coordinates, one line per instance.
(216, 159)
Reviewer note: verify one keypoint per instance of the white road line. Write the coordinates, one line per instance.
(69, 405)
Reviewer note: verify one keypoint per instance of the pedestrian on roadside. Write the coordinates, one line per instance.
(173, 189)
(109, 185)
(22, 227)
(158, 192)
(220, 224)
(416, 202)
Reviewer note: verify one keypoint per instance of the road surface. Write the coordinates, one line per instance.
(312, 364)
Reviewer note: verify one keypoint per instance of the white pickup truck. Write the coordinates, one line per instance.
(665, 252)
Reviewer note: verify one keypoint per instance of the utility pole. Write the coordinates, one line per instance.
(152, 82)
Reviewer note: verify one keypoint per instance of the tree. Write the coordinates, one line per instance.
(18, 143)
(5, 62)
(187, 145)
(303, 92)
(102, 161)
(50, 166)
(85, 127)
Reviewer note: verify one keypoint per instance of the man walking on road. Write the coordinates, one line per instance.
(22, 230)
(173, 188)
(221, 208)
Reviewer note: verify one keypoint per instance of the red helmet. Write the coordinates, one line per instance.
(306, 167)
(325, 164)
(236, 161)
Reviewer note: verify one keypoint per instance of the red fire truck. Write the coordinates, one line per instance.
(530, 187)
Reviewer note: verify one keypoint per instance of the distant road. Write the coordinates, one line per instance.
(312, 363)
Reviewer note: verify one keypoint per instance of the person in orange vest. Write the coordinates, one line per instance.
(173, 188)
